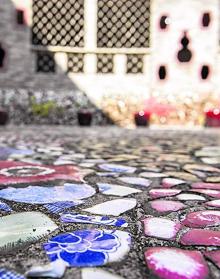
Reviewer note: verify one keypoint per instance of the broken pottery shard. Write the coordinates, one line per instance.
(201, 237)
(44, 195)
(202, 219)
(9, 274)
(171, 182)
(208, 192)
(214, 256)
(21, 228)
(203, 185)
(173, 263)
(158, 193)
(88, 247)
(165, 206)
(116, 190)
(183, 175)
(58, 207)
(136, 181)
(161, 228)
(5, 207)
(152, 174)
(96, 273)
(215, 203)
(114, 207)
(100, 220)
(190, 197)
(117, 168)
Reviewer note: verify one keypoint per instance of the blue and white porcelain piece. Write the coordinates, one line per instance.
(136, 181)
(58, 207)
(113, 207)
(88, 247)
(117, 168)
(8, 274)
(116, 190)
(99, 220)
(44, 195)
(5, 207)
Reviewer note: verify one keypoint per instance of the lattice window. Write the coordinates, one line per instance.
(123, 23)
(76, 62)
(135, 63)
(45, 62)
(105, 63)
(58, 22)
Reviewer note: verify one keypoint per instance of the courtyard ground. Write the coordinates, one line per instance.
(164, 224)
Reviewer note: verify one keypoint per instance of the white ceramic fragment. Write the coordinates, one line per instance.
(116, 190)
(96, 273)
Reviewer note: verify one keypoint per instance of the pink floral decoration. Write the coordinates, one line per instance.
(164, 205)
(173, 263)
(203, 185)
(201, 219)
(158, 193)
(201, 237)
(17, 172)
(161, 227)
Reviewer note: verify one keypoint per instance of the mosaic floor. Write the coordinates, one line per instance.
(105, 203)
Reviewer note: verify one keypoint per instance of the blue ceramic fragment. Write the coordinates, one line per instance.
(117, 168)
(7, 274)
(100, 220)
(58, 207)
(5, 152)
(5, 207)
(88, 247)
(44, 195)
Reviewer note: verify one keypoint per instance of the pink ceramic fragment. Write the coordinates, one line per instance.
(161, 227)
(171, 182)
(173, 263)
(208, 192)
(214, 256)
(215, 203)
(201, 219)
(164, 205)
(201, 237)
(158, 193)
(203, 185)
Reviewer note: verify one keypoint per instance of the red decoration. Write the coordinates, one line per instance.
(212, 118)
(18, 172)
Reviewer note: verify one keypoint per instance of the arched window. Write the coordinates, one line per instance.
(205, 72)
(162, 72)
(206, 19)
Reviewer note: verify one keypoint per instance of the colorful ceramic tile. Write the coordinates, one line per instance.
(100, 220)
(21, 228)
(202, 219)
(5, 152)
(152, 174)
(44, 195)
(136, 181)
(203, 185)
(214, 256)
(195, 168)
(107, 174)
(213, 179)
(201, 237)
(117, 168)
(113, 207)
(208, 151)
(211, 160)
(9, 274)
(214, 203)
(161, 228)
(58, 207)
(183, 175)
(173, 263)
(208, 192)
(171, 182)
(5, 207)
(165, 205)
(18, 172)
(96, 273)
(88, 247)
(190, 197)
(116, 190)
(158, 193)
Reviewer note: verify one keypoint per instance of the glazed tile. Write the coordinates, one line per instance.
(201, 237)
(95, 273)
(190, 197)
(117, 168)
(135, 181)
(158, 193)
(113, 207)
(165, 205)
(100, 220)
(116, 190)
(201, 219)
